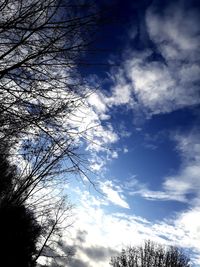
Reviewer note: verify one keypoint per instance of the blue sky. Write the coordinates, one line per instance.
(144, 155)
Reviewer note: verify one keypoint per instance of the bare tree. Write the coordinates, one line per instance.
(151, 255)
(42, 45)
(31, 229)
(40, 89)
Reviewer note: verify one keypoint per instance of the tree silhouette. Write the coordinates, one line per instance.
(41, 92)
(151, 255)
(18, 236)
(40, 89)
(19, 229)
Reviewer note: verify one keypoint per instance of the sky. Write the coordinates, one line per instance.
(144, 155)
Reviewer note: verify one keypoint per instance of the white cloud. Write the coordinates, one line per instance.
(125, 150)
(162, 86)
(155, 87)
(101, 137)
(121, 91)
(115, 230)
(134, 187)
(96, 165)
(114, 155)
(106, 230)
(87, 126)
(121, 95)
(153, 84)
(114, 194)
(183, 231)
(161, 195)
(184, 186)
(189, 221)
(98, 101)
(176, 37)
(188, 178)
(144, 85)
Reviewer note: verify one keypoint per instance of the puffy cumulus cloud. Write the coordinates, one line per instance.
(121, 92)
(85, 122)
(175, 30)
(159, 87)
(186, 182)
(168, 82)
(152, 82)
(189, 145)
(125, 150)
(98, 161)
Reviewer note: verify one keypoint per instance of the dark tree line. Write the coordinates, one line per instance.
(41, 92)
(19, 230)
(151, 255)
